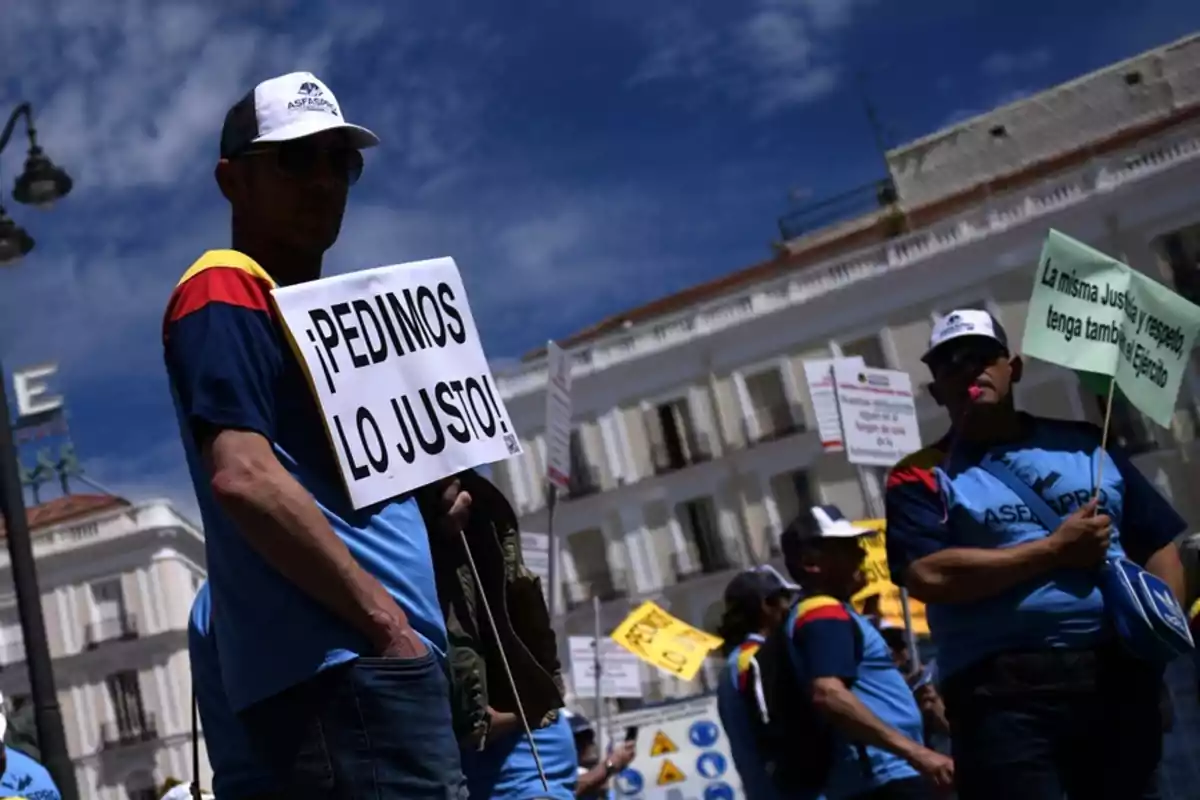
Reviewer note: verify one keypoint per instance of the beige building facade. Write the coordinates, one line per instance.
(117, 582)
(695, 438)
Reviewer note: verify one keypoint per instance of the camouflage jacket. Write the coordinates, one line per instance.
(515, 597)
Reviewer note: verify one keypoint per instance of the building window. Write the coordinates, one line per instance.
(674, 441)
(583, 479)
(12, 645)
(110, 620)
(698, 519)
(131, 723)
(794, 495)
(141, 786)
(595, 578)
(869, 348)
(774, 417)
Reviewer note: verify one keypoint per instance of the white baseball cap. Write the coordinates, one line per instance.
(288, 107)
(965, 322)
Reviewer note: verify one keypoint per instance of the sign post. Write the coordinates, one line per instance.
(879, 426)
(558, 453)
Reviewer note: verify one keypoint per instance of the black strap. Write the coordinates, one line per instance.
(195, 747)
(1041, 509)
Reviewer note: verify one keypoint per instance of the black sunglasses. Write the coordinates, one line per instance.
(970, 353)
(302, 159)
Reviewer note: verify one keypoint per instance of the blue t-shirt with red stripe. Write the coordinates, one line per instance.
(941, 497)
(734, 691)
(823, 645)
(230, 367)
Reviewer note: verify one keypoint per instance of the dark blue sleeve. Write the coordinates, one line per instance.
(1148, 522)
(824, 641)
(223, 361)
(916, 519)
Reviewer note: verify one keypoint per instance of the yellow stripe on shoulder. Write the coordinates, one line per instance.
(231, 259)
(1194, 612)
(745, 656)
(814, 603)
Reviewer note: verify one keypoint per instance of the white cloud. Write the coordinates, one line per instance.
(773, 54)
(1004, 64)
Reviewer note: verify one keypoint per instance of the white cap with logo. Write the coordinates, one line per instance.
(965, 322)
(288, 107)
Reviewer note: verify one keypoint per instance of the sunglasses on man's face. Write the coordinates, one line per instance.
(966, 357)
(302, 160)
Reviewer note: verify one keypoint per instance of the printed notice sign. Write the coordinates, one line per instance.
(558, 416)
(395, 362)
(819, 375)
(879, 414)
(1091, 313)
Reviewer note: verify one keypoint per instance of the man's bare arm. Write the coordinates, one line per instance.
(1167, 564)
(968, 574)
(281, 521)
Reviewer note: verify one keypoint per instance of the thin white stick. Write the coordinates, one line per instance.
(487, 610)
(1112, 388)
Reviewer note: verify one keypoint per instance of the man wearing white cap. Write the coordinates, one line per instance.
(327, 620)
(1042, 701)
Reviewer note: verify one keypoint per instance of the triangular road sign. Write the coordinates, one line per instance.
(669, 773)
(662, 745)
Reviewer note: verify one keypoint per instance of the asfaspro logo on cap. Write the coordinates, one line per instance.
(310, 97)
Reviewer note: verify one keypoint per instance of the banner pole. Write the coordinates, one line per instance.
(552, 600)
(1112, 389)
(598, 667)
(876, 510)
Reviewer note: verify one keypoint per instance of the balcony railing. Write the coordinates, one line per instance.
(140, 728)
(584, 481)
(839, 208)
(119, 627)
(775, 422)
(695, 449)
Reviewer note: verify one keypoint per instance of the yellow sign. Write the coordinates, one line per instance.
(662, 745)
(879, 583)
(669, 774)
(665, 642)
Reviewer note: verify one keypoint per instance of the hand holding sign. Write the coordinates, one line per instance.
(395, 362)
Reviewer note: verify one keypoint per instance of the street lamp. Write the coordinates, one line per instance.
(40, 184)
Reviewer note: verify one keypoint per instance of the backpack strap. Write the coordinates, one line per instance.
(1041, 509)
(864, 760)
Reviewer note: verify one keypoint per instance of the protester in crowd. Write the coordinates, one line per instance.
(922, 681)
(1041, 699)
(21, 776)
(498, 756)
(328, 626)
(757, 602)
(853, 682)
(594, 772)
(237, 772)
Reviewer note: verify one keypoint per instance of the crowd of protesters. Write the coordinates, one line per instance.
(343, 653)
(1000, 529)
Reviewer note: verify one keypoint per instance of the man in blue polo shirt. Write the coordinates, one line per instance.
(327, 620)
(1042, 702)
(847, 667)
(757, 601)
(237, 773)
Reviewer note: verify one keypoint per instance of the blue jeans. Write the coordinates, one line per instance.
(1085, 725)
(371, 729)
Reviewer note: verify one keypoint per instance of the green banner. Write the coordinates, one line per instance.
(1091, 313)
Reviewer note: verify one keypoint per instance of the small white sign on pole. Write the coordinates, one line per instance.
(879, 414)
(620, 670)
(395, 361)
(558, 415)
(819, 376)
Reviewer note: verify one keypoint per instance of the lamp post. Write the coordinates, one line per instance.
(40, 184)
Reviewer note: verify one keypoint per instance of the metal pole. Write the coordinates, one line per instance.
(552, 603)
(598, 666)
(52, 739)
(872, 496)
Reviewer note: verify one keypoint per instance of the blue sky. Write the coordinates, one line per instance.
(575, 158)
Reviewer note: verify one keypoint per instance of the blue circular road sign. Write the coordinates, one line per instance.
(629, 781)
(704, 733)
(718, 791)
(711, 765)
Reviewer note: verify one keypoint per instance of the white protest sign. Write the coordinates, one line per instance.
(879, 414)
(395, 360)
(620, 670)
(818, 373)
(558, 416)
